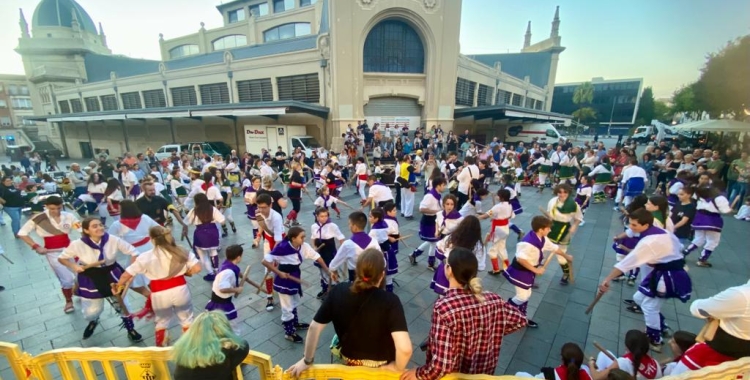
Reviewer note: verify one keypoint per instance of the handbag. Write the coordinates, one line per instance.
(336, 343)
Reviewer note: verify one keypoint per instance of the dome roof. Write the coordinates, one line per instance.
(60, 13)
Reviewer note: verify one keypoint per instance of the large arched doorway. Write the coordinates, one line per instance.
(393, 46)
(396, 111)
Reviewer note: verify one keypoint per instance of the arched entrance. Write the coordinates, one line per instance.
(394, 110)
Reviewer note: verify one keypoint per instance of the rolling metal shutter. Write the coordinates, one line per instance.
(393, 106)
(131, 100)
(109, 103)
(154, 99)
(256, 90)
(304, 88)
(92, 104)
(184, 96)
(215, 93)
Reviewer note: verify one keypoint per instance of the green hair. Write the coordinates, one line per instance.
(201, 345)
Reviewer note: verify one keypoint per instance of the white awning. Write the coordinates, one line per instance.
(158, 115)
(246, 112)
(87, 118)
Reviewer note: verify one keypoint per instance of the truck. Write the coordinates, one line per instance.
(663, 132)
(542, 133)
(270, 137)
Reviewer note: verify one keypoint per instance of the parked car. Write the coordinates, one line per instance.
(208, 147)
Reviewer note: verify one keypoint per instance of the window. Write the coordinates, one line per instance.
(286, 31)
(24, 121)
(502, 97)
(305, 88)
(258, 10)
(76, 106)
(184, 96)
(3, 104)
(228, 42)
(92, 104)
(465, 92)
(257, 90)
(183, 51)
(484, 97)
(13, 89)
(539, 104)
(529, 103)
(21, 103)
(131, 101)
(551, 133)
(154, 99)
(216, 93)
(24, 90)
(64, 106)
(236, 15)
(393, 46)
(282, 5)
(109, 103)
(307, 3)
(5, 121)
(516, 100)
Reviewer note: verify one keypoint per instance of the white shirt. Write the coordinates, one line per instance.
(464, 178)
(556, 157)
(128, 179)
(652, 249)
(380, 193)
(430, 203)
(500, 211)
(94, 188)
(447, 225)
(360, 169)
(599, 169)
(530, 253)
(155, 264)
(68, 223)
(707, 205)
(379, 234)
(274, 224)
(191, 218)
(133, 236)
(224, 280)
(634, 171)
(584, 191)
(731, 307)
(326, 231)
(305, 250)
(471, 209)
(87, 255)
(266, 171)
(349, 252)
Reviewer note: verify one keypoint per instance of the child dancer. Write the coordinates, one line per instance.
(225, 190)
(205, 217)
(360, 170)
(251, 192)
(468, 234)
(393, 232)
(178, 188)
(528, 262)
(379, 231)
(545, 168)
(708, 222)
(284, 261)
(428, 232)
(272, 231)
(514, 202)
(227, 285)
(474, 205)
(449, 218)
(566, 215)
(602, 175)
(323, 235)
(674, 186)
(350, 250)
(501, 215)
(325, 200)
(637, 362)
(583, 196)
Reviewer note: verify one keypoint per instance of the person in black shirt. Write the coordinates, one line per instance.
(279, 202)
(209, 349)
(106, 168)
(155, 207)
(294, 193)
(12, 202)
(280, 159)
(682, 214)
(370, 323)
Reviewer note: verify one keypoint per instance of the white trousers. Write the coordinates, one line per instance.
(172, 302)
(498, 243)
(66, 277)
(542, 179)
(618, 196)
(428, 247)
(561, 260)
(482, 259)
(522, 295)
(288, 304)
(407, 201)
(92, 307)
(206, 259)
(651, 308)
(707, 239)
(227, 212)
(361, 188)
(598, 188)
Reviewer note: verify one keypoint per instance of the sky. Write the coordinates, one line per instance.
(662, 41)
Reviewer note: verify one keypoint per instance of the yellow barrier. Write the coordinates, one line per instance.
(152, 364)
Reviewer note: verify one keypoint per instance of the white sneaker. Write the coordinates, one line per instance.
(582, 223)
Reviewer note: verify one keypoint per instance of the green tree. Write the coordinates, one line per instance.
(583, 96)
(724, 84)
(683, 100)
(645, 107)
(662, 112)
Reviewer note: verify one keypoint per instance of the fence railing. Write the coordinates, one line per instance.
(152, 363)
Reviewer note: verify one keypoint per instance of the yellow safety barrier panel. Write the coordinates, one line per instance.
(153, 364)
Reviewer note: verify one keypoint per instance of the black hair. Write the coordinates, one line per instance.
(233, 251)
(637, 342)
(129, 210)
(53, 201)
(572, 358)
(358, 219)
(564, 187)
(639, 201)
(438, 181)
(86, 223)
(464, 266)
(321, 210)
(684, 339)
(377, 213)
(294, 232)
(467, 234)
(538, 222)
(642, 216)
(661, 202)
(263, 199)
(504, 195)
(204, 209)
(389, 206)
(469, 160)
(507, 179)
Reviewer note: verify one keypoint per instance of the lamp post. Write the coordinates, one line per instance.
(611, 114)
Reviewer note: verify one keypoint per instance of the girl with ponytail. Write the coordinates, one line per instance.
(571, 368)
(636, 361)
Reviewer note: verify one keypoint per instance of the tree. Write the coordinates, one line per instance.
(683, 100)
(583, 96)
(724, 84)
(645, 108)
(662, 112)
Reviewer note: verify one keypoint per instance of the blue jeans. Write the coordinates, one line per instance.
(15, 218)
(739, 189)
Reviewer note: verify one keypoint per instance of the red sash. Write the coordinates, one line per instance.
(270, 239)
(701, 356)
(562, 373)
(56, 241)
(161, 285)
(498, 223)
(114, 210)
(362, 177)
(649, 367)
(142, 242)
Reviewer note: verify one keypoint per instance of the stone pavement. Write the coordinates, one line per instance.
(31, 306)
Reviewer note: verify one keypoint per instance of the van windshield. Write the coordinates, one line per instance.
(309, 142)
(641, 129)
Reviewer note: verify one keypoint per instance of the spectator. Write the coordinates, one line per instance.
(77, 179)
(716, 165)
(572, 366)
(370, 323)
(466, 311)
(209, 349)
(12, 202)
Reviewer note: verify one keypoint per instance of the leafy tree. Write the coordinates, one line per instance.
(683, 100)
(584, 113)
(662, 112)
(645, 108)
(583, 96)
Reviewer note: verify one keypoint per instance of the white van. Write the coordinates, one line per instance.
(545, 133)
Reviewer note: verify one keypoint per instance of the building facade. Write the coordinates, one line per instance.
(615, 102)
(15, 110)
(319, 64)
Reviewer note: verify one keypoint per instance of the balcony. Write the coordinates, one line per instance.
(54, 74)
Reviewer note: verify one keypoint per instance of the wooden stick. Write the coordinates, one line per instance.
(93, 265)
(549, 260)
(596, 299)
(605, 352)
(320, 246)
(404, 237)
(571, 278)
(308, 195)
(6, 258)
(255, 285)
(244, 278)
(544, 211)
(264, 281)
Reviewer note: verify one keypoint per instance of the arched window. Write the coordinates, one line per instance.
(231, 41)
(285, 31)
(393, 46)
(183, 51)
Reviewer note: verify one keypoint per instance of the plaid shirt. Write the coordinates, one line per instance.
(466, 335)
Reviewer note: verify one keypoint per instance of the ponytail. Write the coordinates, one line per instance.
(463, 264)
(572, 358)
(161, 237)
(637, 343)
(475, 285)
(370, 271)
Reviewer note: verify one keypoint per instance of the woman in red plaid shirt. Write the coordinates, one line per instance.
(466, 310)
